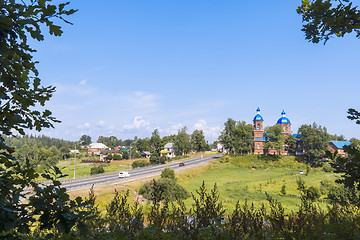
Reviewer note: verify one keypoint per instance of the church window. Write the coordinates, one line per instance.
(258, 126)
(258, 146)
(284, 128)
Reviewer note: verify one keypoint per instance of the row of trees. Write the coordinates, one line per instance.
(183, 142)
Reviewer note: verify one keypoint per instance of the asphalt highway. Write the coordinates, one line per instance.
(135, 174)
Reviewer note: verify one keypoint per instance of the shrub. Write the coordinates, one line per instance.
(344, 196)
(168, 173)
(312, 193)
(116, 157)
(325, 186)
(97, 170)
(163, 159)
(283, 190)
(125, 155)
(327, 168)
(140, 163)
(163, 189)
(154, 158)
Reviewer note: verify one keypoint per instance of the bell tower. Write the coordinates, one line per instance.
(258, 129)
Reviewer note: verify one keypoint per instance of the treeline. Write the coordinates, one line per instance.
(183, 142)
(19, 141)
(38, 151)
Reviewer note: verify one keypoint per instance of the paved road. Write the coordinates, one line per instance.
(136, 174)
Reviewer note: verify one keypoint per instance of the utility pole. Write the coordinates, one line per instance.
(74, 160)
(130, 156)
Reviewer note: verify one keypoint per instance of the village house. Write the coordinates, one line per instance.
(145, 154)
(96, 148)
(104, 154)
(168, 150)
(338, 146)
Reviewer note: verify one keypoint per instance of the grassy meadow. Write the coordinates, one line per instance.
(238, 178)
(248, 177)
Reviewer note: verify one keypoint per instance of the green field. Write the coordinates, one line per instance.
(249, 177)
(83, 169)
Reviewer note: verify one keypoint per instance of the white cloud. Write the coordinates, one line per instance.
(84, 126)
(101, 123)
(173, 129)
(210, 132)
(138, 122)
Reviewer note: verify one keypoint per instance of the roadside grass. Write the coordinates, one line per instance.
(83, 169)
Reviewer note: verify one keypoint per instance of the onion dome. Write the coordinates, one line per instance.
(283, 119)
(258, 117)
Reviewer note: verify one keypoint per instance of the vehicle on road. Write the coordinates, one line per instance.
(181, 164)
(124, 174)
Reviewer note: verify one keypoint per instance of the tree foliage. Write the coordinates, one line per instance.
(354, 115)
(49, 207)
(37, 156)
(315, 141)
(237, 136)
(142, 144)
(275, 138)
(182, 142)
(111, 141)
(290, 142)
(198, 142)
(85, 140)
(324, 19)
(155, 141)
(20, 87)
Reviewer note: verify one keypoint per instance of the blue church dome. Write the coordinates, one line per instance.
(258, 116)
(283, 119)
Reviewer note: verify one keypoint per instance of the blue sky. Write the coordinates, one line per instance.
(127, 67)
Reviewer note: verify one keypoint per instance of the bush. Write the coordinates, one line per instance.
(325, 186)
(327, 168)
(116, 157)
(163, 159)
(344, 196)
(140, 163)
(125, 155)
(97, 170)
(163, 189)
(168, 173)
(312, 193)
(283, 190)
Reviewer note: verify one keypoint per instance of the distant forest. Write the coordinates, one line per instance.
(39, 150)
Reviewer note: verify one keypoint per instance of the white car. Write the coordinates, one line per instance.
(124, 174)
